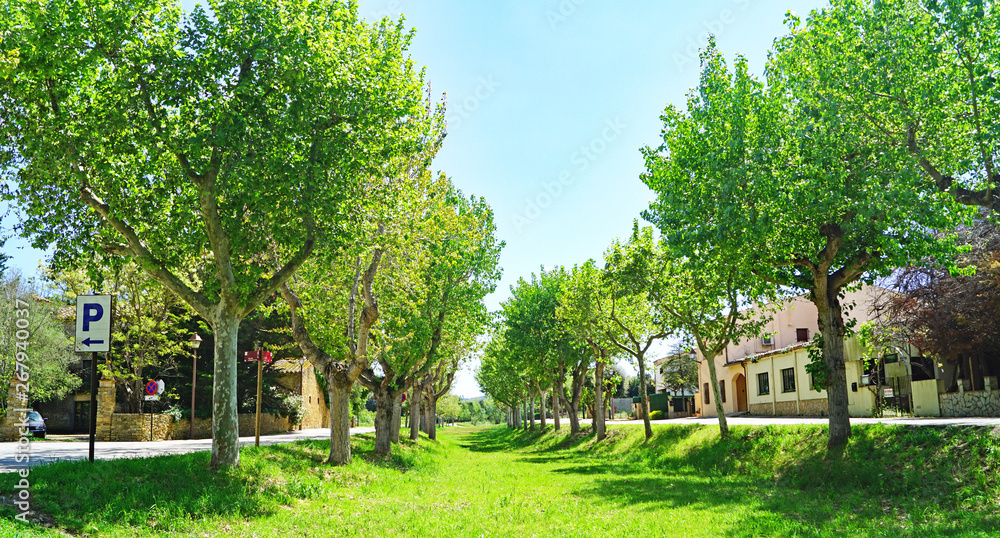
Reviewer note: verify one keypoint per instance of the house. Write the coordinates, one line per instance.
(767, 375)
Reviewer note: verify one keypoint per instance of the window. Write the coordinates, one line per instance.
(801, 335)
(722, 390)
(788, 380)
(705, 393)
(763, 384)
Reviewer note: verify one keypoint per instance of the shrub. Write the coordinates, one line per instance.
(656, 415)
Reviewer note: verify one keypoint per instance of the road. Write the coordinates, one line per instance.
(783, 421)
(48, 451)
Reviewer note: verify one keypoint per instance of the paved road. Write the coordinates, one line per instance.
(43, 452)
(766, 421)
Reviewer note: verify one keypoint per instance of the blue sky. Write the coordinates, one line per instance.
(549, 102)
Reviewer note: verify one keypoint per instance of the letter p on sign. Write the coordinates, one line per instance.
(93, 323)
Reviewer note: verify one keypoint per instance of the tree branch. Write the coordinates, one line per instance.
(148, 262)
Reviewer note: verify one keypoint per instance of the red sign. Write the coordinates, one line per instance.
(254, 356)
(152, 387)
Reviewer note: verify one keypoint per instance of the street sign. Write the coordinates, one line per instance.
(152, 398)
(254, 356)
(93, 323)
(152, 388)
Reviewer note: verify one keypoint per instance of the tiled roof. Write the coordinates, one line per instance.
(758, 356)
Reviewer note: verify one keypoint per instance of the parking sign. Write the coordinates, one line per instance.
(93, 323)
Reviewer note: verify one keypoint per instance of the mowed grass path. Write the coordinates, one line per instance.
(497, 482)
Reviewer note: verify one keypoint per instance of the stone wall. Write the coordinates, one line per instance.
(786, 409)
(136, 426)
(980, 403)
(182, 429)
(762, 409)
(819, 407)
(269, 424)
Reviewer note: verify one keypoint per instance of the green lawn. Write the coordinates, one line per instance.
(889, 481)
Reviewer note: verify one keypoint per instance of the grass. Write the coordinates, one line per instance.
(888, 481)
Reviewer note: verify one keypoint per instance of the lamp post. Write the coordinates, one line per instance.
(195, 343)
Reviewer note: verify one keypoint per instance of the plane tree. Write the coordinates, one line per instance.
(450, 266)
(785, 185)
(531, 332)
(580, 315)
(203, 139)
(913, 74)
(630, 320)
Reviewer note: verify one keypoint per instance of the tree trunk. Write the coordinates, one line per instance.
(517, 417)
(415, 403)
(643, 397)
(396, 420)
(541, 403)
(426, 418)
(713, 379)
(340, 418)
(432, 418)
(574, 415)
(555, 405)
(225, 424)
(599, 400)
(831, 326)
(532, 411)
(383, 422)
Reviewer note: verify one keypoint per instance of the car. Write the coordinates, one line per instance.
(36, 424)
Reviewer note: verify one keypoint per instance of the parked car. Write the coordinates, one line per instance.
(36, 424)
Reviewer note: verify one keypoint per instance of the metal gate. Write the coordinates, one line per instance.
(897, 394)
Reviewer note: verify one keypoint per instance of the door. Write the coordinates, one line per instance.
(81, 417)
(740, 385)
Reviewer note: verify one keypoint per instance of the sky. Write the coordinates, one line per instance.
(549, 104)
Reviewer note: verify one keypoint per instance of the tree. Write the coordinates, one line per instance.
(779, 182)
(702, 297)
(580, 314)
(632, 322)
(634, 386)
(39, 352)
(679, 372)
(447, 408)
(334, 333)
(919, 75)
(201, 140)
(444, 276)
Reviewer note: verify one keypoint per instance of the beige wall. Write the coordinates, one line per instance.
(797, 312)
(925, 398)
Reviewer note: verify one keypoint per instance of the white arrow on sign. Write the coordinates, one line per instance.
(93, 323)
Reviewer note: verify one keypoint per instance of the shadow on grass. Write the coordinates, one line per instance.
(782, 479)
(172, 491)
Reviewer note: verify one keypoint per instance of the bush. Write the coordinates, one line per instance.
(366, 418)
(656, 415)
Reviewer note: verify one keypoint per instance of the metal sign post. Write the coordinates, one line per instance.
(260, 356)
(93, 335)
